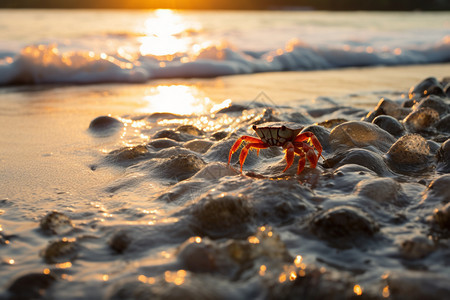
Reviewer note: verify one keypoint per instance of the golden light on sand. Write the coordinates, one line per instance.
(166, 33)
(176, 99)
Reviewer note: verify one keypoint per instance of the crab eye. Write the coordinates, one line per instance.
(254, 127)
(283, 127)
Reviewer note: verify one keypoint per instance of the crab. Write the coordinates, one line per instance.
(284, 135)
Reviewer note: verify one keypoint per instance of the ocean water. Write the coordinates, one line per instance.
(149, 203)
(72, 47)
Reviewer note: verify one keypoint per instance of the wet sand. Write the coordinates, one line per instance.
(44, 133)
(50, 160)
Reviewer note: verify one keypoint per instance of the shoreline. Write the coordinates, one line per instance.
(125, 205)
(50, 131)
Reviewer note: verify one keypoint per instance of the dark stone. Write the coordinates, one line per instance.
(390, 124)
(56, 223)
(427, 87)
(119, 242)
(104, 123)
(31, 286)
(343, 225)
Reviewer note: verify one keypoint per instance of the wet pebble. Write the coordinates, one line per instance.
(163, 143)
(60, 251)
(56, 223)
(343, 225)
(443, 125)
(191, 130)
(417, 285)
(387, 107)
(128, 155)
(428, 86)
(199, 146)
(381, 190)
(176, 167)
(198, 255)
(410, 153)
(170, 134)
(438, 190)
(346, 177)
(443, 157)
(390, 124)
(360, 134)
(31, 286)
(434, 102)
(362, 157)
(441, 217)
(119, 242)
(222, 216)
(416, 248)
(330, 124)
(219, 135)
(422, 120)
(105, 125)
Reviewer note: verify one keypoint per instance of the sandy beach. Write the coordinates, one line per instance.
(47, 148)
(142, 203)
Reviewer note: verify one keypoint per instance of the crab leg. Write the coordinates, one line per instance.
(244, 152)
(238, 143)
(310, 136)
(289, 155)
(310, 154)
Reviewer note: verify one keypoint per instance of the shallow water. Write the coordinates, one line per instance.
(161, 214)
(97, 46)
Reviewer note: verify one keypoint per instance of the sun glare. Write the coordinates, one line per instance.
(166, 33)
(176, 99)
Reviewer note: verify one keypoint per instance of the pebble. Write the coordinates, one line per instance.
(438, 190)
(198, 255)
(390, 124)
(434, 102)
(358, 134)
(178, 167)
(381, 190)
(416, 248)
(191, 130)
(199, 146)
(343, 225)
(387, 107)
(427, 87)
(417, 285)
(422, 120)
(170, 134)
(31, 286)
(56, 223)
(442, 216)
(443, 157)
(219, 135)
(105, 125)
(222, 216)
(163, 143)
(410, 153)
(128, 155)
(362, 157)
(119, 242)
(60, 251)
(443, 125)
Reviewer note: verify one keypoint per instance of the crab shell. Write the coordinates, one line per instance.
(277, 133)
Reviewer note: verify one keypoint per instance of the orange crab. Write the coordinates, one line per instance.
(284, 135)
